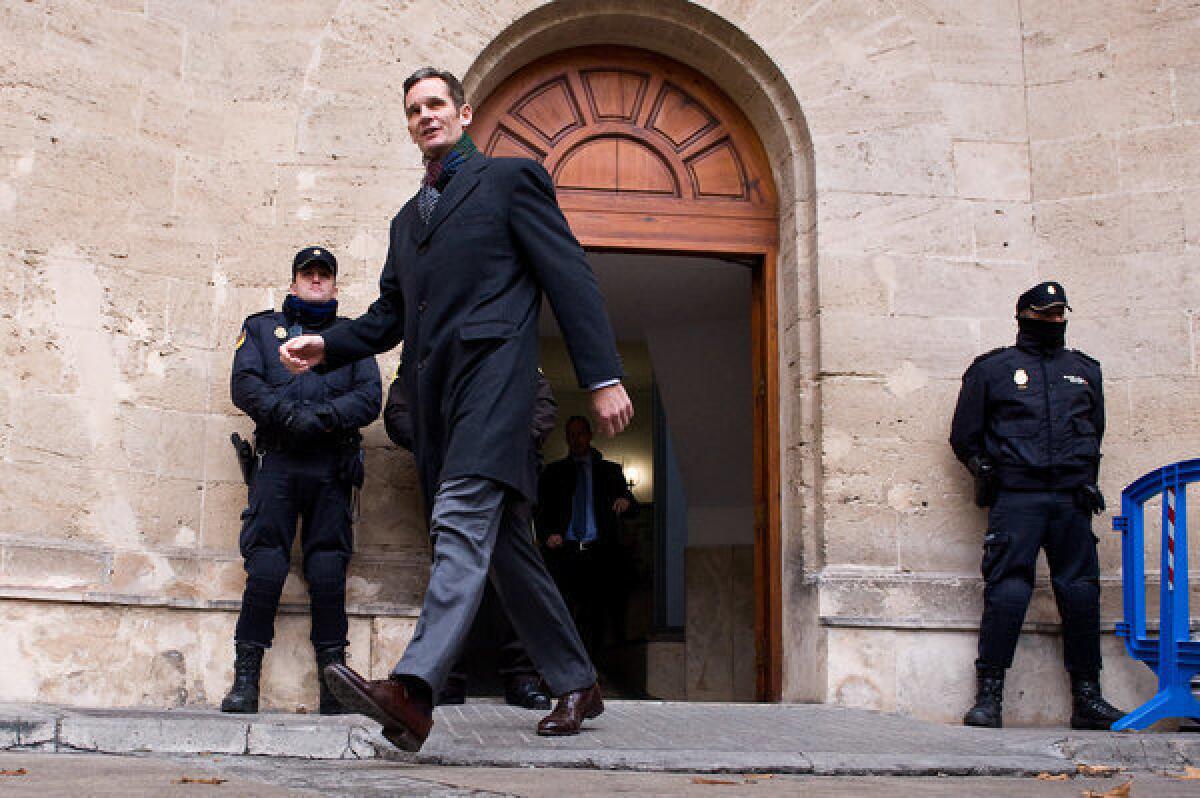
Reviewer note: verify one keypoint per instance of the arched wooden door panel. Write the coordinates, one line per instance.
(648, 154)
(643, 150)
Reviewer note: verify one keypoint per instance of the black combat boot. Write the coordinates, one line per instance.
(247, 667)
(329, 704)
(989, 699)
(1089, 710)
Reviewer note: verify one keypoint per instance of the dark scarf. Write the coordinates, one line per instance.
(1040, 335)
(309, 314)
(439, 172)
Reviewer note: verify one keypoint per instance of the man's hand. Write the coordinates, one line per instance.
(302, 353)
(621, 506)
(554, 541)
(612, 409)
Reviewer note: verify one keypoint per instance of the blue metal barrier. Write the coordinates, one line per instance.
(1173, 655)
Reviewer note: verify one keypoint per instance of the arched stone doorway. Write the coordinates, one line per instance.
(649, 156)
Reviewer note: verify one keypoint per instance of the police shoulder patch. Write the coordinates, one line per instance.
(240, 340)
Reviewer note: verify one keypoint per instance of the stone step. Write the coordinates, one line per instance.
(630, 735)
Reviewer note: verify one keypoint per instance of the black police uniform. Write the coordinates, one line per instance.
(1035, 413)
(306, 471)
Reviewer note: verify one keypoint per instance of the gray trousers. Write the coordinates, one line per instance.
(480, 531)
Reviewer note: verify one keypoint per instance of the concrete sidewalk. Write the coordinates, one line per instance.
(630, 735)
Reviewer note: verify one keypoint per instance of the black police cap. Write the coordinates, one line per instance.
(1042, 296)
(310, 255)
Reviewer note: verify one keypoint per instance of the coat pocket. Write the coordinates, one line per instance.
(995, 544)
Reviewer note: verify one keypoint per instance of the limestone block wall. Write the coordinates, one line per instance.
(160, 161)
(159, 164)
(1056, 154)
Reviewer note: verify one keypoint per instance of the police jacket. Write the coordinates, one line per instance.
(1037, 414)
(261, 387)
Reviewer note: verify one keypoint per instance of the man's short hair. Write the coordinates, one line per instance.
(587, 425)
(457, 95)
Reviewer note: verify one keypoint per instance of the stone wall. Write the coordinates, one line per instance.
(160, 160)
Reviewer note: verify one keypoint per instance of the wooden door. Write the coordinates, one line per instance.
(649, 155)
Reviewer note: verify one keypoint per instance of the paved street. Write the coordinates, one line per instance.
(103, 775)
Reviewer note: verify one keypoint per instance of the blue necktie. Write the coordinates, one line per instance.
(579, 528)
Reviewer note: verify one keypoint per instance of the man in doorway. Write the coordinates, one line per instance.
(309, 461)
(522, 683)
(1028, 426)
(582, 499)
(469, 258)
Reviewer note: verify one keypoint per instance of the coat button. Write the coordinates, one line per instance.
(421, 307)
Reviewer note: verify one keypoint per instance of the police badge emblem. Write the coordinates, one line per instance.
(280, 333)
(1021, 379)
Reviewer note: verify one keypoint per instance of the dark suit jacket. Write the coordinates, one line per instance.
(556, 492)
(464, 293)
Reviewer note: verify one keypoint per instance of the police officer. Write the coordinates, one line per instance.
(309, 462)
(1028, 426)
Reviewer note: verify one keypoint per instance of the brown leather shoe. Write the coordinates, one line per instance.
(406, 719)
(572, 709)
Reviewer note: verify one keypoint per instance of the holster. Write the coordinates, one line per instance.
(245, 456)
(985, 481)
(985, 490)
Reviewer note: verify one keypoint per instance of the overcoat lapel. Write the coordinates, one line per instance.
(457, 190)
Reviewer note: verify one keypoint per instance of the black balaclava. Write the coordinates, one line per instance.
(1041, 334)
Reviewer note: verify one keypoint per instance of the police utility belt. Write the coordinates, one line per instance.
(331, 442)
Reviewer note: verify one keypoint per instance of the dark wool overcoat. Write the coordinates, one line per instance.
(464, 293)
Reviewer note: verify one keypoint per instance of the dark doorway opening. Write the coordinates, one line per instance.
(683, 323)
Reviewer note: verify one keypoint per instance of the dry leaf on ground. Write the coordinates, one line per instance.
(702, 780)
(191, 780)
(1098, 770)
(17, 772)
(759, 776)
(1053, 777)
(1120, 791)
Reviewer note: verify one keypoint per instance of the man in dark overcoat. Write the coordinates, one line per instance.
(469, 259)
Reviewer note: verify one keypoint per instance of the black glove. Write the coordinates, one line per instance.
(305, 421)
(282, 411)
(1090, 499)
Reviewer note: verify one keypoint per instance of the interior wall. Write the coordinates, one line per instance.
(704, 378)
